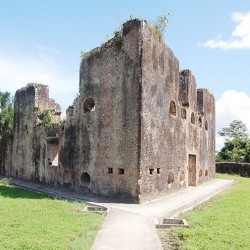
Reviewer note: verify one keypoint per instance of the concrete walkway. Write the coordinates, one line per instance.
(124, 230)
(132, 226)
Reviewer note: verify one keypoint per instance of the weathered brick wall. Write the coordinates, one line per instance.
(130, 124)
(102, 142)
(242, 169)
(24, 121)
(169, 138)
(135, 129)
(29, 159)
(206, 114)
(162, 134)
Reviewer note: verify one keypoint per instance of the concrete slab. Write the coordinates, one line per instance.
(127, 231)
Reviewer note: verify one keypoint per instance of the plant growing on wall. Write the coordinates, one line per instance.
(82, 54)
(46, 117)
(160, 25)
(117, 40)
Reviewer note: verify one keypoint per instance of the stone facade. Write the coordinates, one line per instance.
(29, 147)
(139, 128)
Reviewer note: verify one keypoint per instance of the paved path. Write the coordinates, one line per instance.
(132, 226)
(124, 230)
(135, 229)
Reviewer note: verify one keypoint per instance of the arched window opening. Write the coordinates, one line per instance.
(206, 172)
(89, 105)
(85, 179)
(67, 175)
(200, 122)
(172, 108)
(192, 118)
(170, 177)
(200, 173)
(206, 125)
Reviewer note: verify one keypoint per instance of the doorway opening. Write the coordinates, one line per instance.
(192, 170)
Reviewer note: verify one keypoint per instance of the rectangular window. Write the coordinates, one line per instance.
(121, 170)
(110, 170)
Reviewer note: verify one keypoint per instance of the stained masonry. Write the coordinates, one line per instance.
(139, 128)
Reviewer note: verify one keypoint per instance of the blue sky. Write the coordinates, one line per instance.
(41, 41)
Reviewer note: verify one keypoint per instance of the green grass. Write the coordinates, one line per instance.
(221, 223)
(29, 220)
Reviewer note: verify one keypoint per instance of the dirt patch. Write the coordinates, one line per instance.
(170, 240)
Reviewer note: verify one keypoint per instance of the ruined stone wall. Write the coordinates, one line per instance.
(206, 123)
(138, 129)
(188, 102)
(29, 159)
(163, 134)
(174, 142)
(24, 121)
(100, 148)
(200, 106)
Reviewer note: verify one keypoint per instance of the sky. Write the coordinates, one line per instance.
(41, 41)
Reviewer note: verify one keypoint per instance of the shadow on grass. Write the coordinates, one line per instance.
(17, 193)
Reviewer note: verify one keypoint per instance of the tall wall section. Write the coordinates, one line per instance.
(175, 143)
(206, 122)
(29, 148)
(100, 146)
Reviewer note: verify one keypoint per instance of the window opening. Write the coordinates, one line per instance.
(170, 177)
(206, 172)
(121, 170)
(85, 179)
(89, 105)
(200, 122)
(67, 175)
(206, 125)
(172, 109)
(192, 118)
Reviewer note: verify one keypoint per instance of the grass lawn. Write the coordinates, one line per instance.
(29, 220)
(221, 223)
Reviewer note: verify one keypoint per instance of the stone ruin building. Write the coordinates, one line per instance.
(139, 128)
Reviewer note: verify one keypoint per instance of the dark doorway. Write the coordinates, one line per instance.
(191, 170)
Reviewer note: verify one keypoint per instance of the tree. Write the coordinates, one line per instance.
(237, 143)
(6, 113)
(237, 130)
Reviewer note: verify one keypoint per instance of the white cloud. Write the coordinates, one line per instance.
(16, 70)
(240, 37)
(231, 106)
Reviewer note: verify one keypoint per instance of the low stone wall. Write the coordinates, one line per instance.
(242, 169)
